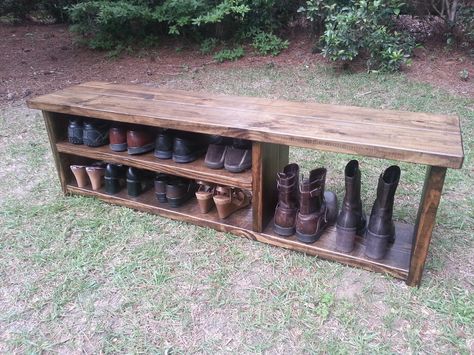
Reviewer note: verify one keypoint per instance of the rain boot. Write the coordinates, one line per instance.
(351, 220)
(381, 229)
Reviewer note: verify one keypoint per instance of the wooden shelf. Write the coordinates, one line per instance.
(189, 212)
(396, 262)
(195, 170)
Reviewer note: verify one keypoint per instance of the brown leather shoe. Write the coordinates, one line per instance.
(96, 174)
(118, 139)
(80, 174)
(238, 156)
(381, 229)
(216, 152)
(204, 196)
(287, 207)
(351, 220)
(228, 200)
(139, 141)
(317, 208)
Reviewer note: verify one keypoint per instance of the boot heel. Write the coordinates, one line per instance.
(376, 245)
(345, 239)
(134, 187)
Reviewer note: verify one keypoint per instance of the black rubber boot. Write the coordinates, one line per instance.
(381, 229)
(351, 220)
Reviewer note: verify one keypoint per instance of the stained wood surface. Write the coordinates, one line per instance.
(425, 222)
(396, 262)
(194, 170)
(413, 137)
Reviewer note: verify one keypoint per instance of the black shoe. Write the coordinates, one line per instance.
(75, 131)
(187, 147)
(96, 133)
(179, 190)
(164, 145)
(161, 180)
(114, 176)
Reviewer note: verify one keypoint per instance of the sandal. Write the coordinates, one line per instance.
(204, 196)
(228, 200)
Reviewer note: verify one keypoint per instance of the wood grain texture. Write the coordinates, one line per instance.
(412, 137)
(240, 223)
(425, 222)
(194, 170)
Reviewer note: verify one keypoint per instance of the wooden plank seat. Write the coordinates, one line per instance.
(272, 125)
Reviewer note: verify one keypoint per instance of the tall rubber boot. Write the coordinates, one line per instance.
(381, 229)
(351, 220)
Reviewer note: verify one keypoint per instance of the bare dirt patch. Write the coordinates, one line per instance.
(36, 59)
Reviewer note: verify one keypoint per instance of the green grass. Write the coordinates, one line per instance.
(77, 274)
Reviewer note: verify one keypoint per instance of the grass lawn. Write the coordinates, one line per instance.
(78, 275)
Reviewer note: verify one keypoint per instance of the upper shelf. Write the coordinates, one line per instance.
(194, 170)
(406, 136)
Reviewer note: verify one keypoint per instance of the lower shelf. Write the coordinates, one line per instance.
(396, 262)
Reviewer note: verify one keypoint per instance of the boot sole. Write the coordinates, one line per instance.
(309, 238)
(120, 147)
(284, 231)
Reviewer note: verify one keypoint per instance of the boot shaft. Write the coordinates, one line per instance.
(352, 182)
(387, 185)
(288, 185)
(312, 191)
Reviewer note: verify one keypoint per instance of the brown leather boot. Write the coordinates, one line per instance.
(317, 208)
(381, 229)
(351, 220)
(287, 207)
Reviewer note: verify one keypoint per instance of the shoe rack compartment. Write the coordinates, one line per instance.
(272, 125)
(194, 170)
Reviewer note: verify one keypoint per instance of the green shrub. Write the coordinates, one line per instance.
(366, 27)
(229, 54)
(268, 43)
(108, 24)
(208, 45)
(20, 9)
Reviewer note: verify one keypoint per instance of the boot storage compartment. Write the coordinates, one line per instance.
(271, 126)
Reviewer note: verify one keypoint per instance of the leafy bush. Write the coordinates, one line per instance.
(363, 27)
(108, 24)
(22, 8)
(229, 54)
(268, 43)
(208, 45)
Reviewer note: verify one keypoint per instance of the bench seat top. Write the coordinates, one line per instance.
(414, 137)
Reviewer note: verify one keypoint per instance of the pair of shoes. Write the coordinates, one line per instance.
(183, 147)
(93, 173)
(229, 200)
(235, 155)
(134, 140)
(92, 133)
(380, 231)
(174, 190)
(303, 205)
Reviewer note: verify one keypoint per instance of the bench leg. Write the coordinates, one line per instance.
(425, 222)
(267, 160)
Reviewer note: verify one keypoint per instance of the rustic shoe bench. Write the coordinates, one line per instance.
(273, 126)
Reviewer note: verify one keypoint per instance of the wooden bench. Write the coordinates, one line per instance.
(273, 126)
